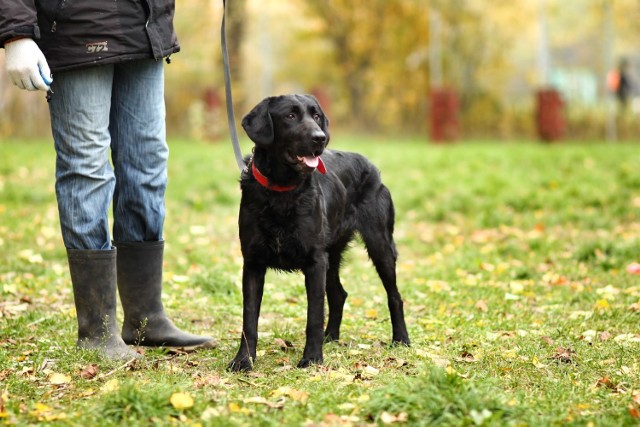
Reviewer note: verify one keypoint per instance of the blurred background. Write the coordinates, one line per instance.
(438, 69)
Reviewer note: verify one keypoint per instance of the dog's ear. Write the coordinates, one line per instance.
(324, 125)
(258, 124)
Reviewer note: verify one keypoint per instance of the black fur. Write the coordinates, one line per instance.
(309, 227)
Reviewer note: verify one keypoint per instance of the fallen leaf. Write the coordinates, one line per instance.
(111, 385)
(43, 412)
(181, 401)
(278, 404)
(89, 372)
(481, 305)
(614, 387)
(30, 256)
(564, 355)
(4, 398)
(635, 306)
(548, 340)
(297, 395)
(605, 382)
(388, 418)
(605, 336)
(236, 408)
(588, 335)
(284, 345)
(58, 379)
(466, 357)
(394, 362)
(537, 364)
(209, 413)
(479, 417)
(633, 268)
(435, 358)
(622, 338)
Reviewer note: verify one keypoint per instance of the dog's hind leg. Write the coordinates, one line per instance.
(336, 295)
(376, 229)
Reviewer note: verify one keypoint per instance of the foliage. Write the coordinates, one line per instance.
(371, 60)
(518, 266)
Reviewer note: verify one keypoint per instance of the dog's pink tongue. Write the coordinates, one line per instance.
(311, 161)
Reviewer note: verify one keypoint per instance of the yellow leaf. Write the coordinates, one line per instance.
(363, 398)
(297, 395)
(257, 399)
(537, 364)
(371, 370)
(181, 400)
(111, 385)
(55, 417)
(234, 407)
(602, 304)
(372, 313)
(451, 371)
(40, 410)
(509, 354)
(41, 407)
(59, 379)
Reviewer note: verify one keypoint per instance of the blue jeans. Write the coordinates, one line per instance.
(120, 109)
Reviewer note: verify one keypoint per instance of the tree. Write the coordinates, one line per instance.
(372, 42)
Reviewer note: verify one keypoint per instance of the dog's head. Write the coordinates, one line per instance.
(293, 126)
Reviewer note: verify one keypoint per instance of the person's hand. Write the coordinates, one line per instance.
(26, 65)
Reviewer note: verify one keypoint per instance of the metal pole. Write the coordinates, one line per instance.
(543, 57)
(607, 57)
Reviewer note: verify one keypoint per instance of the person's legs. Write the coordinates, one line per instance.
(139, 150)
(84, 178)
(140, 153)
(84, 187)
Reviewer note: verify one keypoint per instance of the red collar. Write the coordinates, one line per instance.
(280, 188)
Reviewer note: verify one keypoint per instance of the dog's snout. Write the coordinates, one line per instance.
(319, 138)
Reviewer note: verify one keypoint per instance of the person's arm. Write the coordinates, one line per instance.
(25, 62)
(26, 65)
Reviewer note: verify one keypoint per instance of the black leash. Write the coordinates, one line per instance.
(227, 90)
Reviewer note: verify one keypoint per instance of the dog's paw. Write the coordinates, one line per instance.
(306, 362)
(401, 341)
(242, 364)
(331, 336)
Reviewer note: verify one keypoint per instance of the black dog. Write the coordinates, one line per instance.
(299, 211)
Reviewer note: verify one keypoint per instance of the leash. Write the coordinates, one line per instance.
(227, 90)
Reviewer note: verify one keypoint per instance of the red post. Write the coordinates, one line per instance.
(443, 117)
(211, 100)
(550, 120)
(324, 99)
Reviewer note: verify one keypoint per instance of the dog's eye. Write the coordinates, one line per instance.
(316, 117)
(291, 116)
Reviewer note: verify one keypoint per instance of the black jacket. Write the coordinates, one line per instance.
(82, 33)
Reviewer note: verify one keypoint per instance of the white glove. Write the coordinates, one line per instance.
(26, 65)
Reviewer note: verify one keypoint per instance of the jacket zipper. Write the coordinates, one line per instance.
(54, 25)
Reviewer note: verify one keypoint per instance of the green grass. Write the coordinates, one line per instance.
(512, 264)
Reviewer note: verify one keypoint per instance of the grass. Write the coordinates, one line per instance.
(513, 265)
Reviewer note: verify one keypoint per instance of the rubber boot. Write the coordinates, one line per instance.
(140, 287)
(93, 275)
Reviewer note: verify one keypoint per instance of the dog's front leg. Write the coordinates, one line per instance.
(252, 289)
(315, 284)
